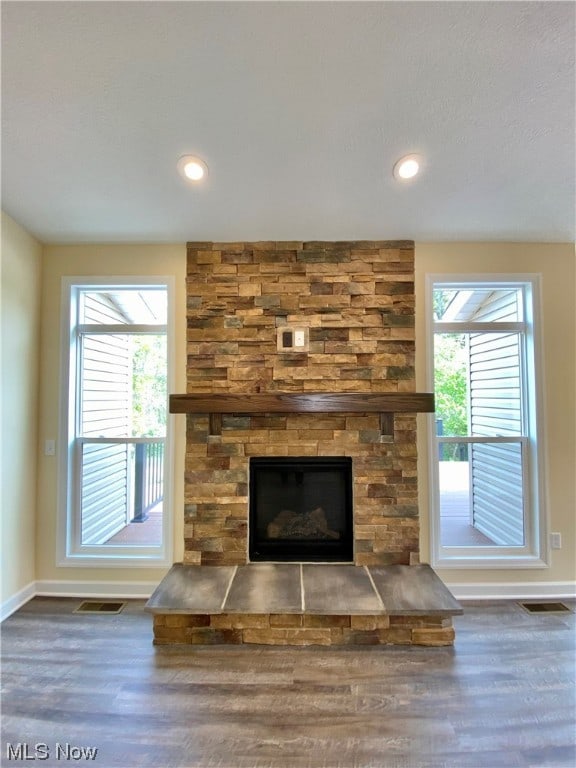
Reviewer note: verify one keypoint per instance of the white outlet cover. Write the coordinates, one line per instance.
(299, 338)
(556, 541)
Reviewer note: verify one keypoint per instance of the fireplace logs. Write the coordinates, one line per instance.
(306, 525)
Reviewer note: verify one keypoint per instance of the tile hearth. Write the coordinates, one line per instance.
(303, 604)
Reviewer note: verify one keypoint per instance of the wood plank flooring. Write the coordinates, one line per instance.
(502, 697)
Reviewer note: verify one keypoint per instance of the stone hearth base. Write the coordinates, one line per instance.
(303, 604)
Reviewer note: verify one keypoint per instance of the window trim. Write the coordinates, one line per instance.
(536, 551)
(68, 553)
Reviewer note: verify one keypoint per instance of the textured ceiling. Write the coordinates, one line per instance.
(300, 111)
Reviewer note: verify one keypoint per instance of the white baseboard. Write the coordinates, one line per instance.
(140, 590)
(534, 590)
(11, 605)
(105, 589)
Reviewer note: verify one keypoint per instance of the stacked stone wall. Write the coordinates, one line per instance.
(357, 301)
(299, 629)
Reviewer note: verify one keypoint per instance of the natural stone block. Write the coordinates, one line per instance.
(395, 636)
(387, 542)
(267, 301)
(388, 558)
(416, 621)
(240, 620)
(365, 532)
(379, 490)
(313, 620)
(264, 636)
(369, 622)
(400, 372)
(360, 637)
(393, 288)
(209, 636)
(286, 620)
(173, 634)
(176, 620)
(433, 636)
(191, 557)
(186, 620)
(270, 245)
(335, 257)
(287, 636)
(251, 288)
(319, 288)
(223, 558)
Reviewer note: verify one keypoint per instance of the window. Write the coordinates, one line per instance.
(115, 457)
(487, 505)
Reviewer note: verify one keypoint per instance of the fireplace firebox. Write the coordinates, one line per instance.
(301, 509)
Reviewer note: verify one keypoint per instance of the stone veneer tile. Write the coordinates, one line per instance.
(357, 299)
(338, 589)
(191, 590)
(235, 629)
(412, 590)
(265, 588)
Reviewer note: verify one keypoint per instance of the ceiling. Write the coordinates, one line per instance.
(300, 110)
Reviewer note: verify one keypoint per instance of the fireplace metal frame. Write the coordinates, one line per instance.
(302, 550)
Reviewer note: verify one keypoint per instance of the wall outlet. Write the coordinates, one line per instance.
(49, 447)
(292, 339)
(556, 540)
(299, 338)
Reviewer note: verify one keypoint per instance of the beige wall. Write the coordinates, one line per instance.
(83, 260)
(20, 303)
(556, 264)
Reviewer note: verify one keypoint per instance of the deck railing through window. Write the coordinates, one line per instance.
(148, 478)
(121, 480)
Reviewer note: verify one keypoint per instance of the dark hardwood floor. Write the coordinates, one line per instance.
(503, 697)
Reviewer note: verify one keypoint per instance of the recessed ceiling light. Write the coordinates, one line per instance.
(407, 167)
(192, 168)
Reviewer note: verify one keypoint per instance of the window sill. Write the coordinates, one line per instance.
(483, 562)
(123, 560)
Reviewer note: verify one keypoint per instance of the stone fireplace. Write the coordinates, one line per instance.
(356, 302)
(301, 494)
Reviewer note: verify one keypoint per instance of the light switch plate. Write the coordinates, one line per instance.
(556, 541)
(49, 447)
(290, 339)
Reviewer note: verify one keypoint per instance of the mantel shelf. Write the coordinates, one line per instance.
(386, 404)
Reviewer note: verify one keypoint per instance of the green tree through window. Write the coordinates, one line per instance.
(451, 387)
(149, 386)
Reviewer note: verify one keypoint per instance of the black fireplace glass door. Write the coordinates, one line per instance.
(301, 509)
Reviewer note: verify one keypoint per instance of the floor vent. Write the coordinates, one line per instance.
(97, 606)
(545, 607)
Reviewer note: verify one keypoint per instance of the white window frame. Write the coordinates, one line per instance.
(536, 551)
(69, 550)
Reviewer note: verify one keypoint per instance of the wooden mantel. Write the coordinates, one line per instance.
(386, 404)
